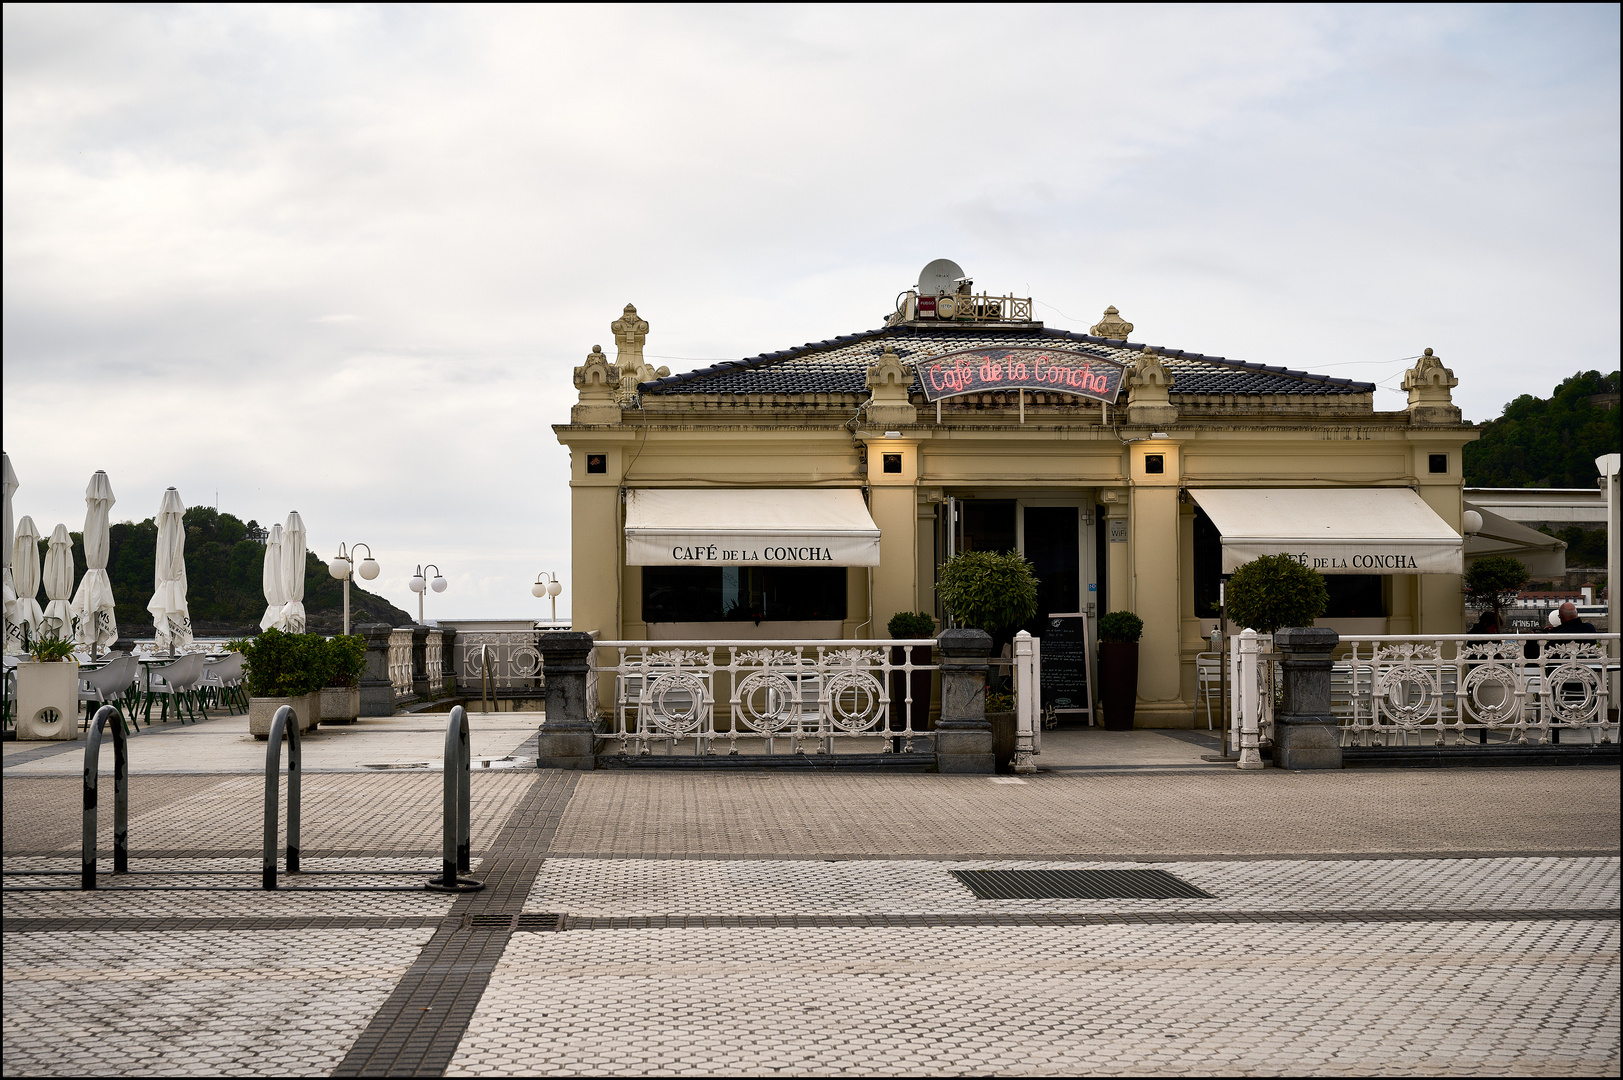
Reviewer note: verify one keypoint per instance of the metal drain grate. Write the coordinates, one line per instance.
(1077, 885)
(538, 922)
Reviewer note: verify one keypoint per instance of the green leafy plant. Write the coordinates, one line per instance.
(1120, 627)
(1274, 591)
(911, 624)
(286, 665)
(1493, 581)
(996, 702)
(989, 590)
(52, 647)
(346, 659)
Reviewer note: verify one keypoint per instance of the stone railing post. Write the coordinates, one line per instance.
(447, 655)
(377, 694)
(963, 737)
(1306, 735)
(419, 662)
(568, 736)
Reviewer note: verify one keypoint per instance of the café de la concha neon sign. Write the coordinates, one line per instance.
(1058, 371)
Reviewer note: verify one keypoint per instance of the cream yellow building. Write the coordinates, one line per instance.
(812, 492)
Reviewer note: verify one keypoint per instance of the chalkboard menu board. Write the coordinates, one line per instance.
(1066, 660)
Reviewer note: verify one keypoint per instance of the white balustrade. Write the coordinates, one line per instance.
(400, 662)
(434, 661)
(802, 694)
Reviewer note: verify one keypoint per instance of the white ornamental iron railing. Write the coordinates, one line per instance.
(515, 662)
(1442, 689)
(1251, 693)
(1028, 681)
(400, 661)
(803, 693)
(434, 661)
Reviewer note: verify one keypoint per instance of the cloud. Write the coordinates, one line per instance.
(342, 259)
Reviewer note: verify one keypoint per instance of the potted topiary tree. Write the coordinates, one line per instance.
(48, 691)
(996, 592)
(341, 696)
(284, 669)
(1119, 632)
(903, 625)
(1274, 591)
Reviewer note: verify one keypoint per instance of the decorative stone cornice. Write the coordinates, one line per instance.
(596, 380)
(1430, 386)
(1112, 326)
(888, 380)
(1149, 386)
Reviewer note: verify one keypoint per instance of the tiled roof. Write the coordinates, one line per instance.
(840, 365)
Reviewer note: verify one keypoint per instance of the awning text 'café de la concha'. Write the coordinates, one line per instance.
(1333, 530)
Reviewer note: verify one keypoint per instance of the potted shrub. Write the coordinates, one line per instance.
(48, 691)
(341, 696)
(1119, 632)
(284, 669)
(1274, 591)
(903, 625)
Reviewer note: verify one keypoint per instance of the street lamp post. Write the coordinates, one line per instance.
(547, 584)
(420, 585)
(342, 566)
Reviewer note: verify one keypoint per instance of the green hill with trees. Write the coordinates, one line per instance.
(1549, 442)
(224, 578)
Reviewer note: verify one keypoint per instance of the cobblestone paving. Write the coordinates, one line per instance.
(653, 815)
(245, 1003)
(345, 812)
(1526, 998)
(609, 887)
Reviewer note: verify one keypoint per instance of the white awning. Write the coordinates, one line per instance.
(749, 526)
(1543, 555)
(1333, 530)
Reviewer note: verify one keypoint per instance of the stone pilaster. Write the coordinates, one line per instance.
(963, 738)
(419, 663)
(1306, 735)
(568, 735)
(377, 695)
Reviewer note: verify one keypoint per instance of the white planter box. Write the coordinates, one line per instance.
(262, 713)
(47, 700)
(340, 704)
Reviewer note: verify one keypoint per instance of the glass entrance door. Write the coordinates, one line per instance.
(1051, 540)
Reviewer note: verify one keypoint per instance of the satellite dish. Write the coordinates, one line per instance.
(940, 278)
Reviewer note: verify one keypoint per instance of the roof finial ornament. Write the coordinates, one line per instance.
(1112, 326)
(629, 334)
(1430, 386)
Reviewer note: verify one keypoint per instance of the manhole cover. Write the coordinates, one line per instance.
(1077, 885)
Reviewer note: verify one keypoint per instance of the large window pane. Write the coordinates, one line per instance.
(742, 593)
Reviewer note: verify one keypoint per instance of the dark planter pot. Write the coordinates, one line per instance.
(1118, 683)
(922, 654)
(1003, 739)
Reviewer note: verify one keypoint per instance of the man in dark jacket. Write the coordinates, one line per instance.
(1570, 624)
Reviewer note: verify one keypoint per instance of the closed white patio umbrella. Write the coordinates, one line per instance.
(271, 576)
(25, 575)
(8, 481)
(293, 573)
(94, 623)
(171, 621)
(59, 584)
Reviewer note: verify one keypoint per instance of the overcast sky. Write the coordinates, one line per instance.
(342, 260)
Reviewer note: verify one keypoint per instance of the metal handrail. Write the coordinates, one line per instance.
(121, 798)
(281, 728)
(457, 838)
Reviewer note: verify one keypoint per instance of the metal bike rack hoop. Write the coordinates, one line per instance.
(121, 798)
(457, 839)
(284, 725)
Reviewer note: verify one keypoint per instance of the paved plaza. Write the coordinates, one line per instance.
(1403, 922)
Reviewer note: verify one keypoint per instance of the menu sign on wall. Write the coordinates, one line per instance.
(1056, 371)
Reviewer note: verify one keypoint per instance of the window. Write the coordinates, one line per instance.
(1155, 463)
(893, 463)
(1439, 463)
(597, 463)
(1355, 596)
(743, 593)
(1208, 565)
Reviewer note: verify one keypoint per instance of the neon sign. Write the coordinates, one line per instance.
(1056, 371)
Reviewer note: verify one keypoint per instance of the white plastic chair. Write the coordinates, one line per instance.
(1209, 680)
(224, 677)
(177, 680)
(107, 685)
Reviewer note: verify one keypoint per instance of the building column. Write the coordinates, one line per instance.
(1157, 582)
(893, 502)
